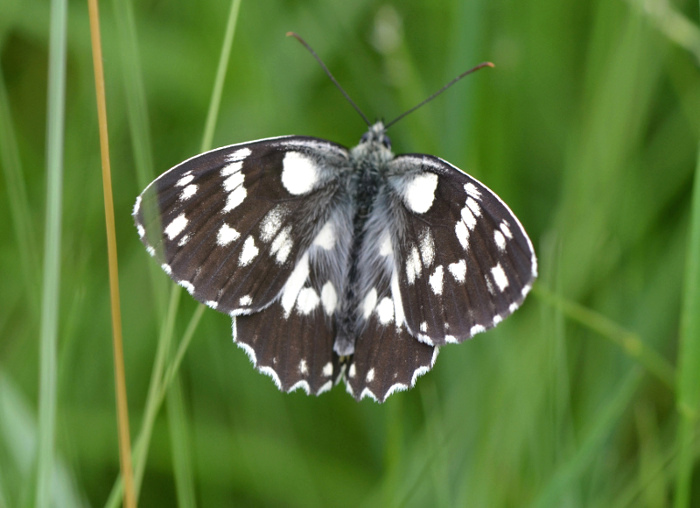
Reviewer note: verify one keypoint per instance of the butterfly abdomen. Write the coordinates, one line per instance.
(369, 169)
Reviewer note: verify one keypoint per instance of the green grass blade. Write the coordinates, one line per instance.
(52, 251)
(180, 446)
(17, 199)
(215, 103)
(688, 391)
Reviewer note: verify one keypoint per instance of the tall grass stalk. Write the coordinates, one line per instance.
(117, 342)
(55, 133)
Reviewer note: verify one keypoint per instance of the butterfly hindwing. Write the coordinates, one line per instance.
(465, 262)
(230, 224)
(292, 340)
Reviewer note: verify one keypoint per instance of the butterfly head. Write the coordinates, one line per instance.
(376, 134)
(374, 144)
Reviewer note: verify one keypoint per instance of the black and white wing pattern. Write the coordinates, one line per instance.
(248, 230)
(465, 260)
(447, 260)
(338, 264)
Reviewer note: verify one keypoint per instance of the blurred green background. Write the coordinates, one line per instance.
(587, 127)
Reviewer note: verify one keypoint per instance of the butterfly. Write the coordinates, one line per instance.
(337, 264)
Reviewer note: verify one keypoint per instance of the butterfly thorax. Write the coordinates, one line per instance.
(369, 161)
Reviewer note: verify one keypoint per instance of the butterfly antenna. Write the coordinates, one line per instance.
(328, 73)
(448, 85)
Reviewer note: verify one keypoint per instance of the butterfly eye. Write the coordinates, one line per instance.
(386, 141)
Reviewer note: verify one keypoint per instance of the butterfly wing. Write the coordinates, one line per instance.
(255, 226)
(229, 224)
(465, 262)
(445, 259)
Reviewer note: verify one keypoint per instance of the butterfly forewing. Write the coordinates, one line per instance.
(465, 261)
(229, 225)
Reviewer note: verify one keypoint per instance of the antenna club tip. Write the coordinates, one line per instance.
(489, 64)
(291, 34)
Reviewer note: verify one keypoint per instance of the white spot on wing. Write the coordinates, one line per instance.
(239, 154)
(296, 281)
(235, 198)
(271, 223)
(140, 230)
(399, 315)
(352, 371)
(474, 206)
(233, 182)
(499, 277)
(451, 339)
(425, 339)
(424, 326)
(230, 169)
(472, 190)
(385, 311)
(325, 387)
(226, 235)
(458, 270)
(413, 265)
(468, 216)
(462, 234)
(427, 248)
(249, 252)
(187, 285)
(303, 368)
(506, 230)
(436, 280)
(370, 375)
(500, 240)
(282, 245)
(211, 303)
(299, 173)
(419, 193)
(307, 301)
(326, 237)
(166, 268)
(476, 329)
(245, 300)
(183, 241)
(328, 369)
(176, 226)
(184, 180)
(369, 303)
(329, 298)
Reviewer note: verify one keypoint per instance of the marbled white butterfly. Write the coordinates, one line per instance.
(338, 264)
